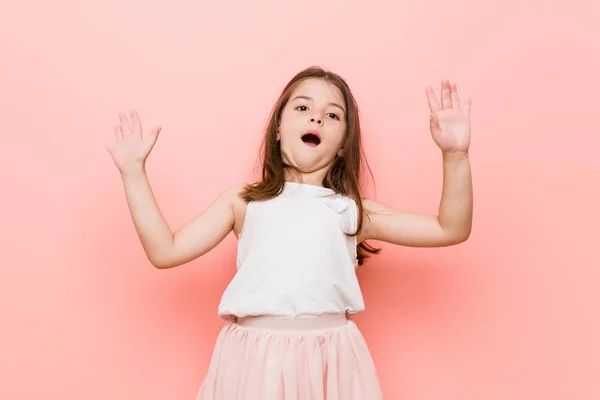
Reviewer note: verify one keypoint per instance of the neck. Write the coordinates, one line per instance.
(311, 178)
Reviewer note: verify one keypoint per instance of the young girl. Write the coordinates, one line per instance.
(302, 231)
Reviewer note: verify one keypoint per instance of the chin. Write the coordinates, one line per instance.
(309, 159)
(308, 165)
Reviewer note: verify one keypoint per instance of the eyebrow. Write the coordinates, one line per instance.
(310, 98)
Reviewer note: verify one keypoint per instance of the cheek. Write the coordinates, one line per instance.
(285, 132)
(286, 122)
(338, 135)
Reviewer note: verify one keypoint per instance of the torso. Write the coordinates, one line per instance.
(294, 258)
(240, 207)
(239, 212)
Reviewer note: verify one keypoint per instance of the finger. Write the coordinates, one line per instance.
(434, 124)
(466, 108)
(154, 134)
(434, 106)
(432, 119)
(153, 137)
(118, 133)
(446, 101)
(454, 96)
(125, 127)
(136, 124)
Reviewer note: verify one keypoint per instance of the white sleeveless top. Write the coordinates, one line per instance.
(294, 258)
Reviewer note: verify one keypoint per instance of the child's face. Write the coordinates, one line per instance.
(313, 125)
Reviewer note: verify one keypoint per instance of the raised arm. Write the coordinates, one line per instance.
(164, 248)
(451, 226)
(451, 130)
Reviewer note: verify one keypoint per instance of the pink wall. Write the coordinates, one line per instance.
(511, 314)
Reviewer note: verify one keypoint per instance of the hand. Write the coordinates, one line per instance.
(131, 148)
(449, 124)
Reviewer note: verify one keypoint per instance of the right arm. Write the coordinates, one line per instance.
(164, 248)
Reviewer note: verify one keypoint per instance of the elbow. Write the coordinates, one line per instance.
(160, 266)
(461, 237)
(455, 232)
(161, 262)
(457, 237)
(168, 260)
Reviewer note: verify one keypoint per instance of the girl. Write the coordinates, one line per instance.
(302, 231)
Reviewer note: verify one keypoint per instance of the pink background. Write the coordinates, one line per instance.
(510, 314)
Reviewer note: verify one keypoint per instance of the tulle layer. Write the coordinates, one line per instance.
(266, 361)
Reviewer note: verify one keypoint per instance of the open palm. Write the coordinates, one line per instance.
(131, 147)
(450, 122)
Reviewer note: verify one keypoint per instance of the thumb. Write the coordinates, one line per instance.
(156, 132)
(433, 120)
(153, 137)
(434, 125)
(466, 108)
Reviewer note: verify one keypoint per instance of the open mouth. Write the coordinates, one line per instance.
(311, 139)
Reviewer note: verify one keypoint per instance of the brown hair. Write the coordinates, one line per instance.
(343, 177)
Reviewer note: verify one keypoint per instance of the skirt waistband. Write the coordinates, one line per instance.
(284, 323)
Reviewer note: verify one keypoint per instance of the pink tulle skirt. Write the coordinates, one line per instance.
(274, 358)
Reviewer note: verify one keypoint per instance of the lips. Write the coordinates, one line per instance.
(311, 138)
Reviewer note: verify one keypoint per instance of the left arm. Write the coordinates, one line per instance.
(451, 226)
(450, 129)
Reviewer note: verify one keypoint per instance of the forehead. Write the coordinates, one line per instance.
(319, 90)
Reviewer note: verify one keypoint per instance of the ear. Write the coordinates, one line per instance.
(340, 153)
(278, 134)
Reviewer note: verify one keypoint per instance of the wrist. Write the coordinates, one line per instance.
(455, 155)
(133, 171)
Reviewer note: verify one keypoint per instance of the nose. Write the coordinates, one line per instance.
(318, 120)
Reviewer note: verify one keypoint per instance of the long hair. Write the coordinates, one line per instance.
(343, 177)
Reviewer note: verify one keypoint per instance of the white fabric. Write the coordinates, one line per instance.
(294, 258)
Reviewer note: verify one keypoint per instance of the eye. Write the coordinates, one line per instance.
(302, 108)
(334, 116)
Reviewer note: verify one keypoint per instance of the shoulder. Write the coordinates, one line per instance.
(232, 194)
(372, 212)
(239, 206)
(369, 207)
(373, 207)
(234, 190)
